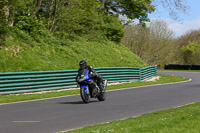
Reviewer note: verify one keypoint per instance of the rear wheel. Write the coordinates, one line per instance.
(85, 97)
(101, 96)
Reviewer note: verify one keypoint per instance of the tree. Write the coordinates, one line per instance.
(11, 9)
(191, 53)
(132, 9)
(136, 38)
(163, 49)
(190, 36)
(38, 5)
(77, 16)
(154, 43)
(190, 47)
(69, 17)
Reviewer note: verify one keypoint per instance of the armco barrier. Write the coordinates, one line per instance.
(148, 72)
(183, 66)
(21, 82)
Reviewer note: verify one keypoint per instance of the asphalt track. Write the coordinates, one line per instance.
(65, 113)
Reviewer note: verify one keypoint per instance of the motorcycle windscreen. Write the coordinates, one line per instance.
(83, 74)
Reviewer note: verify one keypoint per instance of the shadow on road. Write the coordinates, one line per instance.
(75, 102)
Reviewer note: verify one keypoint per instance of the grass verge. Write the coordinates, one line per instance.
(24, 97)
(185, 119)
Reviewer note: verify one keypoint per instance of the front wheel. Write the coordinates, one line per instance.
(85, 97)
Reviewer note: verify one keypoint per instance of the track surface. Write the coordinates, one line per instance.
(54, 115)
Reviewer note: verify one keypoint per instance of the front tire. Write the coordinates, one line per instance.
(85, 97)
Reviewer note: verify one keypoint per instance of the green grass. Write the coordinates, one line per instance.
(25, 97)
(22, 53)
(184, 119)
(163, 79)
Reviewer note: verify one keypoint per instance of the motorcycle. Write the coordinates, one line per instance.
(89, 88)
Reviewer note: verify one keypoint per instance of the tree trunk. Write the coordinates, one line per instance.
(38, 4)
(102, 10)
(103, 6)
(8, 17)
(50, 14)
(54, 15)
(6, 13)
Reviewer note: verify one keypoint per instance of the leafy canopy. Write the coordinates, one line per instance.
(69, 18)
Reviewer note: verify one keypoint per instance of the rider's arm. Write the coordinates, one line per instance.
(92, 71)
(77, 77)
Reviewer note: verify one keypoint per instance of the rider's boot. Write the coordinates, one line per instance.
(102, 88)
(104, 85)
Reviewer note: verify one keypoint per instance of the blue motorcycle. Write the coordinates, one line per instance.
(89, 88)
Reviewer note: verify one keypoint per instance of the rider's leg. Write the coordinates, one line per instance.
(99, 82)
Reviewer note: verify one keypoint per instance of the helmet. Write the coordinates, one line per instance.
(82, 64)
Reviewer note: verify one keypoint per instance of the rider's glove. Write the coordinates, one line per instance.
(92, 74)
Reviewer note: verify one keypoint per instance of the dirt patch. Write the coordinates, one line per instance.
(153, 79)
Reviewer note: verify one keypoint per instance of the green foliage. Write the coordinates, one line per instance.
(71, 18)
(57, 34)
(189, 47)
(4, 29)
(132, 9)
(191, 53)
(112, 28)
(12, 9)
(30, 55)
(35, 28)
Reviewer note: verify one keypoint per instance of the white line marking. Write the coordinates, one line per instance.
(151, 85)
(38, 100)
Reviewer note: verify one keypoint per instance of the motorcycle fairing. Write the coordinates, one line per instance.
(86, 88)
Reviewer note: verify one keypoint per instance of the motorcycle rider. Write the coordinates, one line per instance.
(92, 73)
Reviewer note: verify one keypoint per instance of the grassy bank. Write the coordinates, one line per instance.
(25, 97)
(184, 119)
(20, 52)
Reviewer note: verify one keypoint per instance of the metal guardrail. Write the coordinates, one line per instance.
(148, 72)
(183, 66)
(21, 82)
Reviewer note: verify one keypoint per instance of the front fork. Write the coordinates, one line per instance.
(86, 89)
